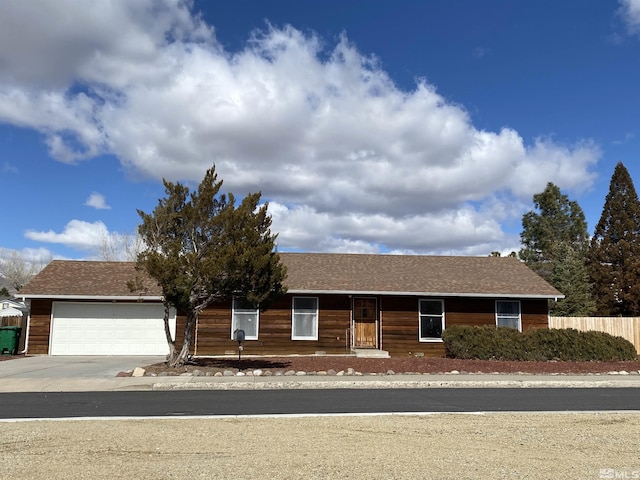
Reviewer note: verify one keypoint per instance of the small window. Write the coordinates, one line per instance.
(508, 314)
(5, 305)
(244, 317)
(431, 320)
(304, 318)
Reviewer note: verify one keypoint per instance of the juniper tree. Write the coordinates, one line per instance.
(614, 253)
(201, 248)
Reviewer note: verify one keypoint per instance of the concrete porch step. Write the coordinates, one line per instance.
(370, 353)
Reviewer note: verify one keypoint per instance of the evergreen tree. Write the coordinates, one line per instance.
(570, 276)
(201, 248)
(555, 241)
(614, 254)
(557, 220)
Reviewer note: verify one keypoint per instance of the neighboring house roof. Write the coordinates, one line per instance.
(11, 312)
(7, 303)
(320, 273)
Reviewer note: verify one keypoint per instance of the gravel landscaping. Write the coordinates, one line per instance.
(333, 365)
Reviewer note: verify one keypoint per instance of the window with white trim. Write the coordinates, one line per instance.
(431, 314)
(244, 316)
(304, 318)
(508, 314)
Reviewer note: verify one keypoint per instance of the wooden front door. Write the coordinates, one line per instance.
(365, 319)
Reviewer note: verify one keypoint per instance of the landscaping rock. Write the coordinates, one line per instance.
(138, 372)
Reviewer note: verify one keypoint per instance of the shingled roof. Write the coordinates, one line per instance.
(85, 279)
(322, 273)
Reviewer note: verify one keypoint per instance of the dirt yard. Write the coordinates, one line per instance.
(442, 446)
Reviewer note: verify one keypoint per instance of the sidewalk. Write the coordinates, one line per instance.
(315, 382)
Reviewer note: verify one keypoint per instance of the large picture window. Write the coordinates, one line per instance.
(304, 318)
(244, 317)
(508, 314)
(431, 320)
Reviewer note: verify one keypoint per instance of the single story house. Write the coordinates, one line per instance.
(335, 304)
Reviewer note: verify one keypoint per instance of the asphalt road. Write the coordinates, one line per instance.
(278, 402)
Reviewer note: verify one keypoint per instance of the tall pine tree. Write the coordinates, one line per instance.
(614, 254)
(555, 220)
(570, 276)
(554, 245)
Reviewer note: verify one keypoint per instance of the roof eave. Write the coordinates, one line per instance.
(427, 294)
(93, 297)
(307, 292)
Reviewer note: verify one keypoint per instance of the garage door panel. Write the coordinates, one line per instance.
(108, 329)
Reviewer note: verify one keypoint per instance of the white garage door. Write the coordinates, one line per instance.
(108, 329)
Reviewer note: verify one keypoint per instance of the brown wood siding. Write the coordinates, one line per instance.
(535, 314)
(39, 327)
(181, 320)
(400, 321)
(400, 328)
(398, 318)
(274, 334)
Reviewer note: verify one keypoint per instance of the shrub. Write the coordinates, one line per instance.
(483, 343)
(488, 342)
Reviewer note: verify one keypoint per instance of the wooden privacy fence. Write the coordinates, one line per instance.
(625, 327)
(11, 322)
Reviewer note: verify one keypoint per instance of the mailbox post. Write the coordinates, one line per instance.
(239, 334)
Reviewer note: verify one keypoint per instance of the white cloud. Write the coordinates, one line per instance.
(626, 138)
(630, 13)
(94, 239)
(34, 256)
(351, 161)
(77, 234)
(9, 168)
(480, 52)
(97, 201)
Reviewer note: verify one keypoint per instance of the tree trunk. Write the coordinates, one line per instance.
(172, 355)
(189, 328)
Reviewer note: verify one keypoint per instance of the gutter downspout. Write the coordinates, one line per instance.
(381, 347)
(26, 335)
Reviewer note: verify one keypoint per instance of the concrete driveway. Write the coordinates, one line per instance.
(73, 367)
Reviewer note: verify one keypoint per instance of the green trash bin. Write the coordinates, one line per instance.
(9, 340)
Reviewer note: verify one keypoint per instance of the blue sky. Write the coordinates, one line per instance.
(369, 126)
